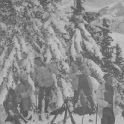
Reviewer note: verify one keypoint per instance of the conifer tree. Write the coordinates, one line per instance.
(39, 27)
(82, 40)
(119, 60)
(106, 47)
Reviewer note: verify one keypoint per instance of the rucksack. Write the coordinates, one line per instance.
(84, 107)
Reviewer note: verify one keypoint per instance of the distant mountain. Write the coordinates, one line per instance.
(114, 9)
(114, 13)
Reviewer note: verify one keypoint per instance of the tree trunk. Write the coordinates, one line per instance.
(78, 7)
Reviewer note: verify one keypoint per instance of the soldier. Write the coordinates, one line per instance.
(44, 81)
(23, 91)
(108, 100)
(79, 73)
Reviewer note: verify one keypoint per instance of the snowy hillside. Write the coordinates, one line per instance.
(91, 8)
(115, 8)
(118, 38)
(114, 12)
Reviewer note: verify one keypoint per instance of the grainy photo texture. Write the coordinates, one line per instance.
(61, 61)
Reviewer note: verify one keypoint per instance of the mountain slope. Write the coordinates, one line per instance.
(118, 38)
(114, 13)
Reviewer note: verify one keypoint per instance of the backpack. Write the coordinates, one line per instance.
(84, 107)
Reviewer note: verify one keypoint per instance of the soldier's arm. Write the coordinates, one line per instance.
(72, 74)
(85, 70)
(27, 93)
(17, 88)
(34, 75)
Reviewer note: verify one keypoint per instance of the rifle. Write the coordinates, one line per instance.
(56, 113)
(60, 111)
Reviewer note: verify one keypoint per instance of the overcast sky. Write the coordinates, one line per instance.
(99, 3)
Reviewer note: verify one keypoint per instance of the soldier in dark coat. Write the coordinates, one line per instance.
(79, 73)
(23, 91)
(108, 113)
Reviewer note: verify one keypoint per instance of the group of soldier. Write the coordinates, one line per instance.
(107, 96)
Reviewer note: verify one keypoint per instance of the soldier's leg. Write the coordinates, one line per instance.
(40, 98)
(89, 95)
(111, 117)
(47, 96)
(76, 96)
(105, 117)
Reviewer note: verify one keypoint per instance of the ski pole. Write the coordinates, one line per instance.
(70, 114)
(65, 116)
(96, 112)
(83, 116)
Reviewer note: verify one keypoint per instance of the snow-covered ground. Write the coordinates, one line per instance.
(78, 119)
(91, 8)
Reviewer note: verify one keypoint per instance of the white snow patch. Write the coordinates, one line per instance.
(91, 8)
(118, 38)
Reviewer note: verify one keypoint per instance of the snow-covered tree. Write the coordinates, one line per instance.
(83, 42)
(42, 28)
(31, 28)
(104, 40)
(52, 30)
(119, 60)
(106, 48)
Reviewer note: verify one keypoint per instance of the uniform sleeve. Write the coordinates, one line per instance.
(100, 99)
(17, 88)
(27, 94)
(90, 84)
(18, 98)
(86, 70)
(72, 74)
(34, 75)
